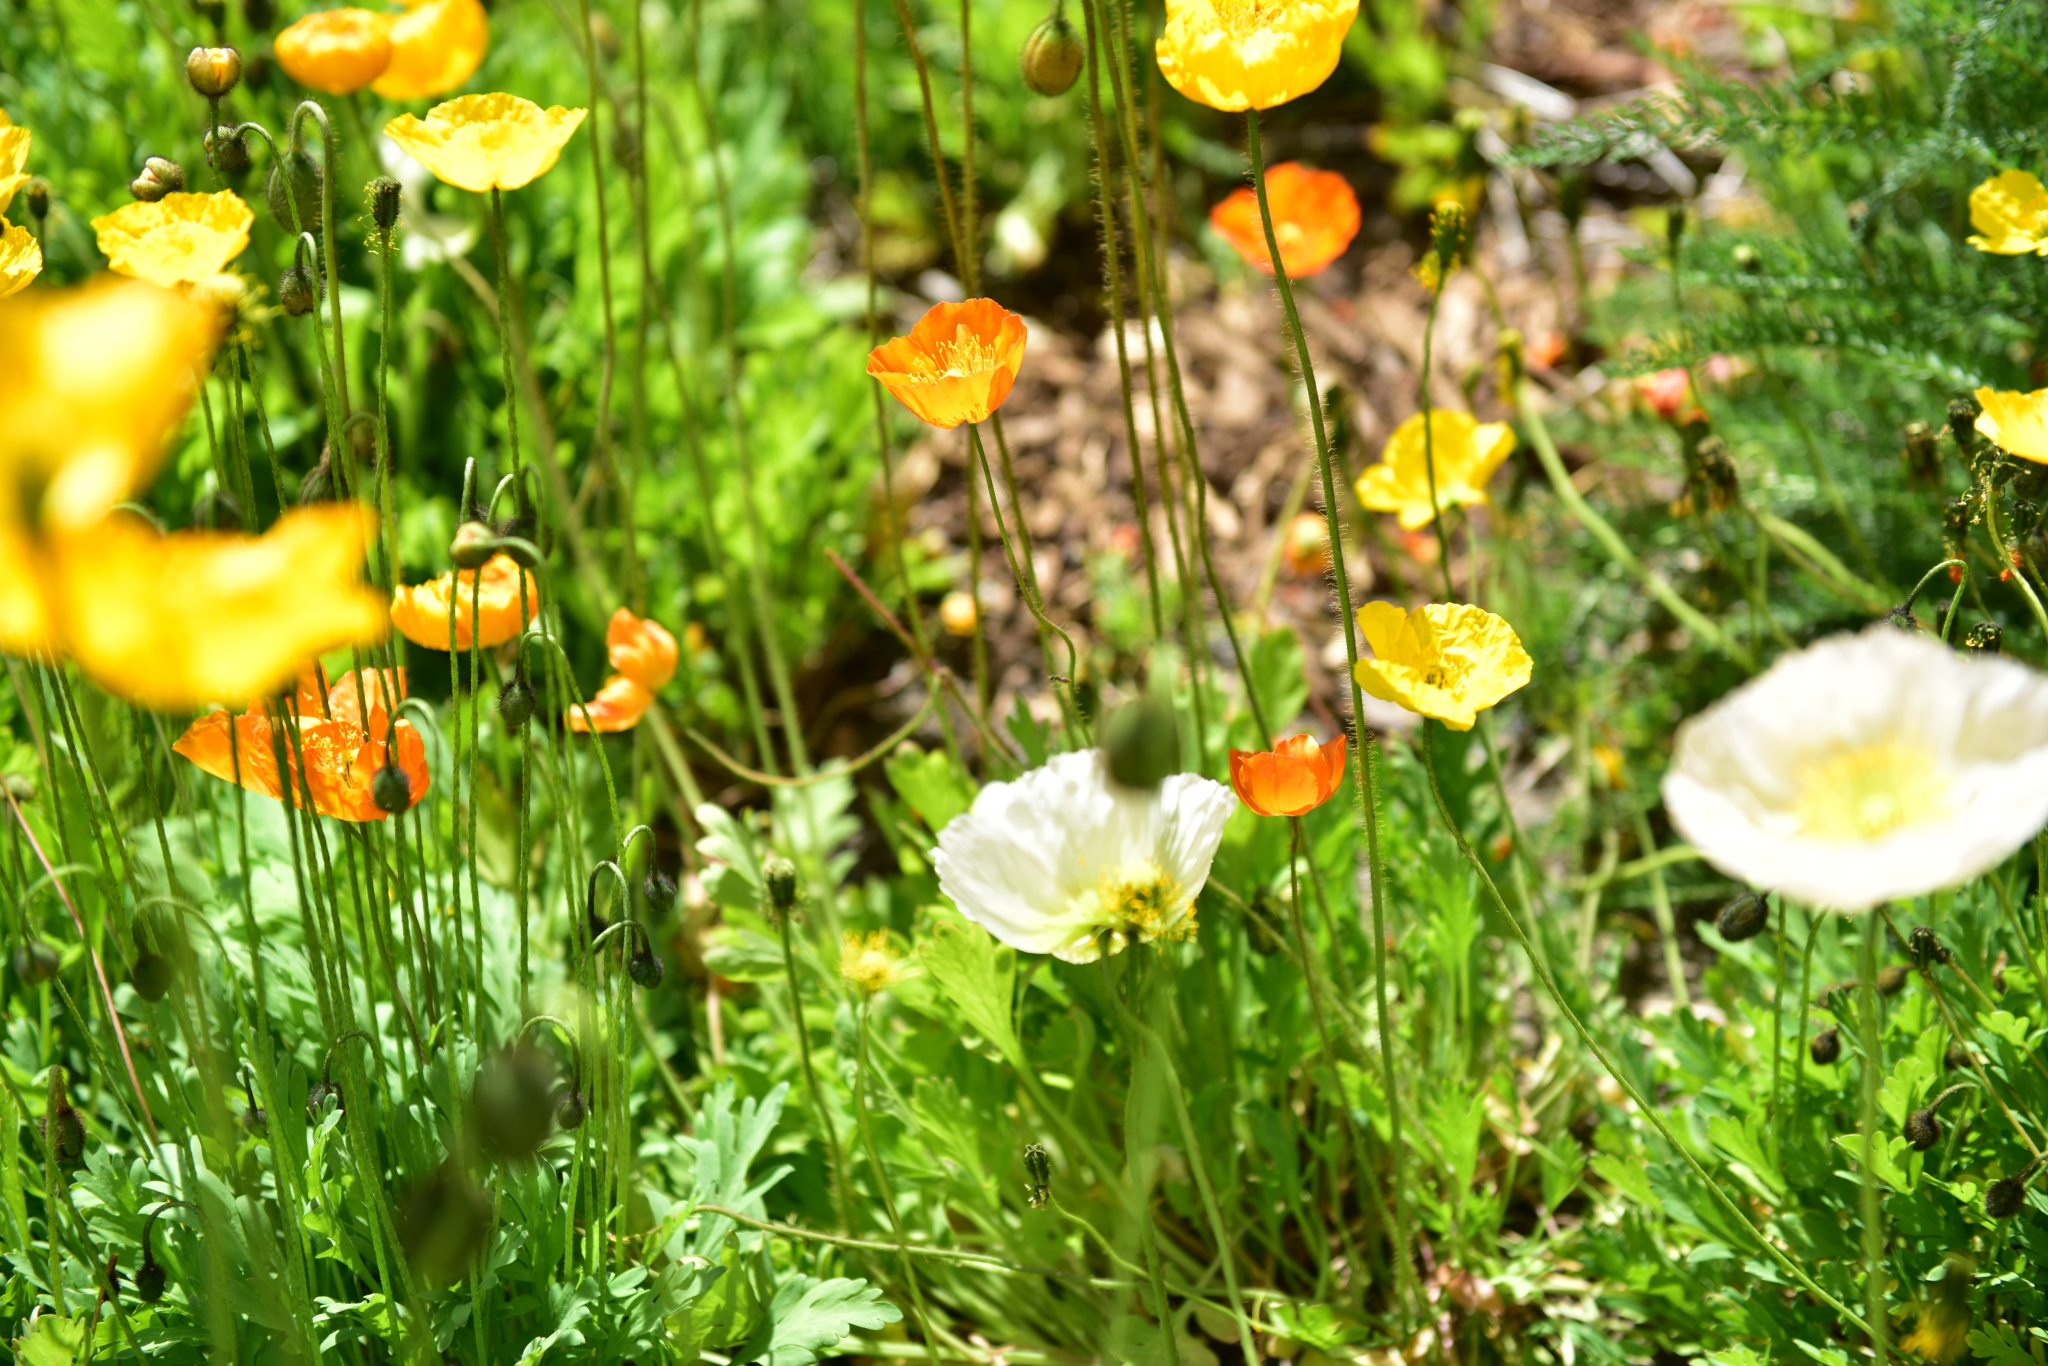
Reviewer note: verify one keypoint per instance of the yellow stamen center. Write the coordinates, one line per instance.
(1869, 792)
(965, 354)
(1243, 18)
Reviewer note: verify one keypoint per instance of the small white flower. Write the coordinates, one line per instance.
(1062, 859)
(1865, 768)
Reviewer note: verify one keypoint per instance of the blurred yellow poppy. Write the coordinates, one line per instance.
(1251, 54)
(485, 142)
(2010, 213)
(1466, 453)
(21, 259)
(435, 47)
(1447, 660)
(14, 142)
(179, 239)
(2018, 422)
(336, 51)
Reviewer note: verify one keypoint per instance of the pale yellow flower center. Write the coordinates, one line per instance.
(1139, 901)
(866, 961)
(965, 354)
(1243, 18)
(1870, 792)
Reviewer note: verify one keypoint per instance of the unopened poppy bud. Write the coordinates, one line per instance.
(1051, 58)
(150, 1279)
(1901, 618)
(384, 194)
(1962, 424)
(297, 293)
(318, 1096)
(1038, 1174)
(1892, 979)
(35, 962)
(227, 148)
(1826, 1046)
(1142, 739)
(151, 975)
(572, 1109)
(390, 789)
(472, 547)
(160, 176)
(659, 891)
(37, 195)
(520, 551)
(1744, 917)
(779, 874)
(1955, 520)
(643, 967)
(61, 1127)
(1985, 638)
(2004, 1198)
(517, 704)
(213, 71)
(1926, 949)
(1922, 1129)
(1923, 456)
(295, 185)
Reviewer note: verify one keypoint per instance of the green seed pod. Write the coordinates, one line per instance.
(151, 975)
(1744, 917)
(295, 179)
(1142, 740)
(517, 704)
(1051, 58)
(1891, 980)
(391, 790)
(1922, 1129)
(1985, 638)
(1826, 1046)
(2004, 1198)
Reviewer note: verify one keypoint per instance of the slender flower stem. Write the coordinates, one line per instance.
(1365, 775)
(1873, 1202)
(864, 1122)
(979, 455)
(1422, 403)
(842, 1196)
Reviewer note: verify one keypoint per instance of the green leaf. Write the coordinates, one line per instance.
(1884, 1158)
(743, 955)
(1626, 1177)
(1277, 672)
(1033, 736)
(1456, 1123)
(1904, 1088)
(808, 1318)
(932, 784)
(1743, 1143)
(978, 976)
(2001, 1346)
(1735, 1356)
(54, 1341)
(725, 841)
(2006, 1026)
(729, 1310)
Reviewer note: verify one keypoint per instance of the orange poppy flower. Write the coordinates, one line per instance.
(1307, 547)
(957, 364)
(341, 757)
(1315, 216)
(1669, 394)
(337, 51)
(1291, 779)
(435, 47)
(644, 653)
(377, 691)
(420, 611)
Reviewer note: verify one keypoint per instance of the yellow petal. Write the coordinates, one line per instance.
(2010, 213)
(178, 239)
(435, 46)
(1465, 454)
(176, 621)
(2018, 422)
(483, 142)
(21, 259)
(1446, 660)
(1251, 54)
(13, 160)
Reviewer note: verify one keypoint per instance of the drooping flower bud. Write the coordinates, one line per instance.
(1826, 1046)
(1962, 425)
(572, 1109)
(384, 194)
(151, 975)
(1984, 638)
(35, 962)
(1142, 740)
(160, 176)
(227, 148)
(1038, 1175)
(61, 1127)
(1922, 1129)
(1926, 949)
(472, 548)
(1956, 1056)
(1744, 917)
(1891, 979)
(644, 967)
(658, 890)
(779, 874)
(1051, 58)
(517, 704)
(390, 789)
(2004, 1198)
(213, 71)
(150, 1279)
(294, 183)
(298, 294)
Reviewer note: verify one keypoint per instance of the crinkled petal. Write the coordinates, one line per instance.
(618, 706)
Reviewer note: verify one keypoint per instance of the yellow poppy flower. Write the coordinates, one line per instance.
(13, 159)
(1447, 660)
(336, 51)
(435, 47)
(176, 621)
(1251, 54)
(2010, 212)
(484, 142)
(1466, 454)
(178, 239)
(21, 259)
(2018, 422)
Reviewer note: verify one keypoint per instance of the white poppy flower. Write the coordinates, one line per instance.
(1062, 859)
(1865, 768)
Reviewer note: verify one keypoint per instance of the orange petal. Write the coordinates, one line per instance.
(641, 649)
(618, 706)
(957, 365)
(371, 692)
(489, 596)
(245, 751)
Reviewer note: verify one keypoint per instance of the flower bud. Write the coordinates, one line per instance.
(471, 548)
(517, 704)
(37, 195)
(2004, 1198)
(1051, 58)
(150, 1279)
(627, 147)
(520, 551)
(1038, 1172)
(659, 892)
(61, 1127)
(1925, 948)
(384, 194)
(1892, 979)
(1956, 1056)
(317, 1097)
(1142, 740)
(390, 789)
(1715, 476)
(1922, 1129)
(213, 71)
(227, 148)
(1984, 638)
(1962, 424)
(1744, 917)
(295, 184)
(572, 1109)
(151, 975)
(1901, 618)
(643, 967)
(160, 176)
(1955, 520)
(298, 294)
(1826, 1046)
(780, 876)
(35, 962)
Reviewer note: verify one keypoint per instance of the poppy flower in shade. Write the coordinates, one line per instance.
(1669, 394)
(180, 239)
(175, 621)
(336, 51)
(1291, 779)
(420, 611)
(1447, 660)
(1315, 216)
(1064, 861)
(2017, 422)
(1251, 54)
(14, 141)
(341, 757)
(1865, 768)
(484, 142)
(2010, 213)
(21, 259)
(957, 364)
(435, 47)
(644, 653)
(1466, 453)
